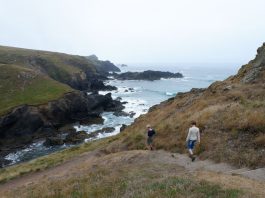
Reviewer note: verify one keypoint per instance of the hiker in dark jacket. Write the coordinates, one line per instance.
(150, 136)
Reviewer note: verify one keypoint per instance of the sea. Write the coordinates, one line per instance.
(140, 95)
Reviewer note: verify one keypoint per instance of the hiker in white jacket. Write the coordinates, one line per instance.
(192, 137)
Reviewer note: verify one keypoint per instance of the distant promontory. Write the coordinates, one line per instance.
(146, 75)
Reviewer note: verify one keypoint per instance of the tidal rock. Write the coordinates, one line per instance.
(106, 130)
(93, 120)
(131, 114)
(121, 113)
(76, 137)
(53, 141)
(123, 127)
(4, 162)
(98, 85)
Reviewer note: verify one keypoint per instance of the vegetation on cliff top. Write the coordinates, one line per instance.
(19, 85)
(35, 77)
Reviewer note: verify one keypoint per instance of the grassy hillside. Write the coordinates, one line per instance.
(230, 114)
(35, 77)
(59, 66)
(20, 85)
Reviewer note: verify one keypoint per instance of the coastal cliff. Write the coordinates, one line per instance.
(42, 91)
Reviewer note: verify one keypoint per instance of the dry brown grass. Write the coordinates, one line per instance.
(126, 174)
(260, 140)
(229, 123)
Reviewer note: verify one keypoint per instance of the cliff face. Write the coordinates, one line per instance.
(41, 91)
(26, 123)
(253, 72)
(230, 114)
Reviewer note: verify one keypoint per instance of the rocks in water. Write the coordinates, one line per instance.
(93, 120)
(104, 130)
(97, 85)
(123, 127)
(35, 122)
(76, 137)
(53, 141)
(131, 114)
(119, 98)
(121, 113)
(146, 75)
(4, 162)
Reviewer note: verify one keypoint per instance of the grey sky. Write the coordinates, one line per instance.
(125, 31)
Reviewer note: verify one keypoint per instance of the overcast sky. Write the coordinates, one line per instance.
(126, 31)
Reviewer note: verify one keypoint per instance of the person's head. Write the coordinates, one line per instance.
(148, 126)
(193, 123)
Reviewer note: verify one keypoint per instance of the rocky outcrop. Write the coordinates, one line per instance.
(26, 123)
(123, 127)
(76, 137)
(104, 130)
(103, 66)
(53, 141)
(146, 75)
(97, 85)
(254, 71)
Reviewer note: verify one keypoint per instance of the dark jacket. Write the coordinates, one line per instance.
(151, 133)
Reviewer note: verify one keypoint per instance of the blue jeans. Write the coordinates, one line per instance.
(191, 144)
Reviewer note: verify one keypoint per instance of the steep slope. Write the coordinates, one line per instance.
(230, 114)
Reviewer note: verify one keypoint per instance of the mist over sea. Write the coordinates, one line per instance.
(139, 96)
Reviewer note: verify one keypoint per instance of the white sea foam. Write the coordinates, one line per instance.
(16, 156)
(170, 94)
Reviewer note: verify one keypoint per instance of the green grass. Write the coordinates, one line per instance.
(20, 86)
(59, 66)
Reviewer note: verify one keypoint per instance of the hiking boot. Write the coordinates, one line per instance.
(193, 158)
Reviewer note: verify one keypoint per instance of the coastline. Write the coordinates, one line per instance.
(129, 92)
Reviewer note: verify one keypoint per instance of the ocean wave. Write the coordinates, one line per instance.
(170, 94)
